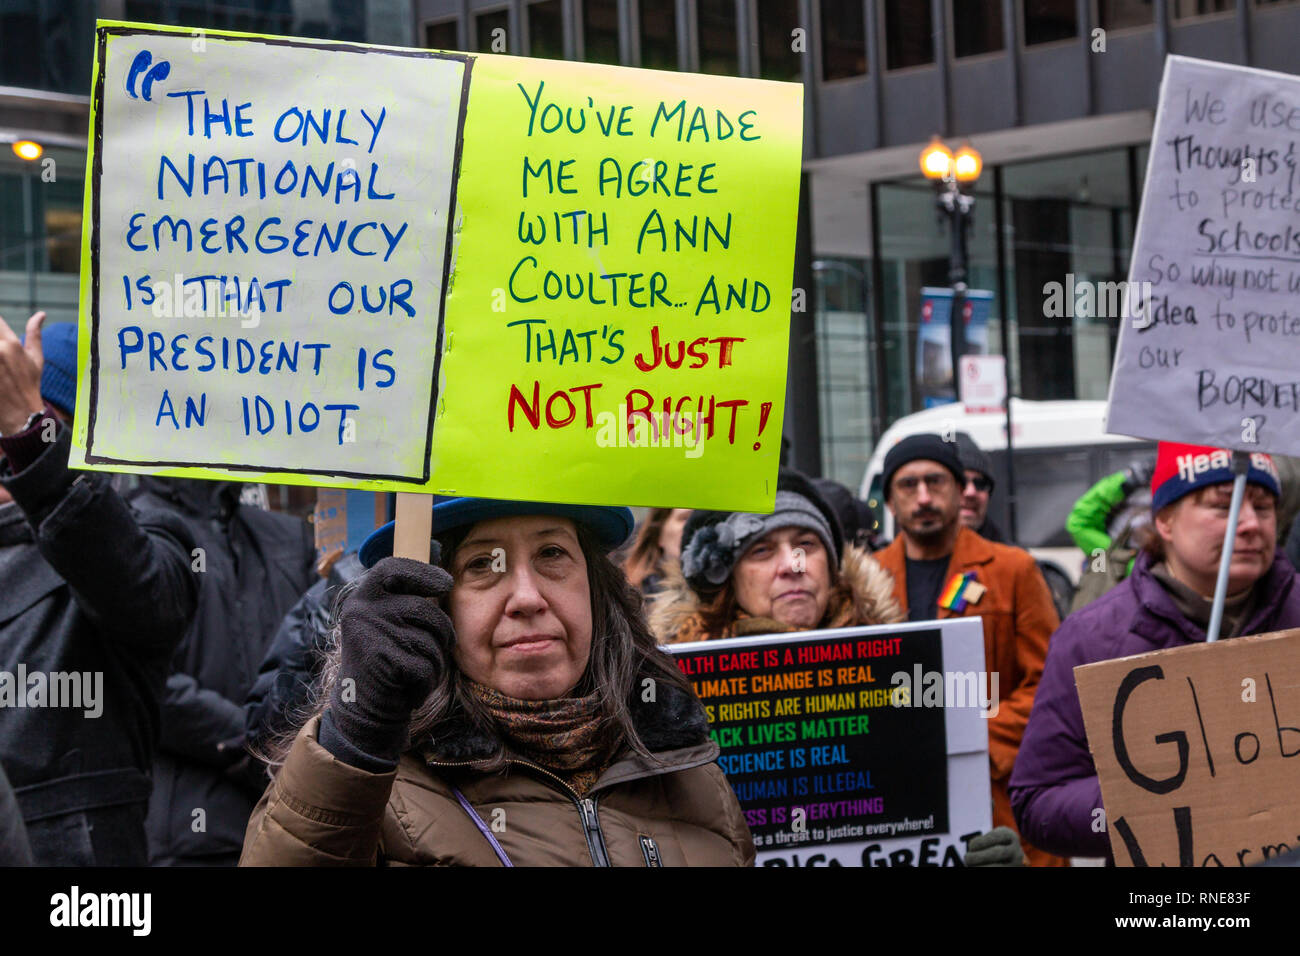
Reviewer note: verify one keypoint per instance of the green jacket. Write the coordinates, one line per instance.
(1087, 522)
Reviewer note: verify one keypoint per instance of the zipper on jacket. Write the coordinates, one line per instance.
(650, 850)
(586, 807)
(591, 826)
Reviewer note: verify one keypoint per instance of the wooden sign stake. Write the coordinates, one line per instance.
(414, 527)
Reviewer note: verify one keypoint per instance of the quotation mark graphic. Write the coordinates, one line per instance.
(141, 64)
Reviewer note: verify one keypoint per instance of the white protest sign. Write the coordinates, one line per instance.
(273, 237)
(1210, 338)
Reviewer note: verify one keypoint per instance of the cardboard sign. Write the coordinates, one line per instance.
(1198, 751)
(852, 747)
(366, 267)
(330, 520)
(1210, 332)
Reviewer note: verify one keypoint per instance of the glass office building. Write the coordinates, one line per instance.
(1058, 96)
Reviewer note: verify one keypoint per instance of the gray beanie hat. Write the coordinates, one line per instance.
(713, 550)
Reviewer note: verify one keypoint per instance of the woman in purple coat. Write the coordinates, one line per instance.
(1164, 603)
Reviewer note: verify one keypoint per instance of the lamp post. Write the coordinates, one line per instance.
(954, 178)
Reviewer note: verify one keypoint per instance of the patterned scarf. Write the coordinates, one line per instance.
(561, 735)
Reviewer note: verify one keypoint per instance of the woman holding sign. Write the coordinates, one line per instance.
(505, 705)
(1165, 602)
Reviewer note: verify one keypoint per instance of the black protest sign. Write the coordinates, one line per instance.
(819, 742)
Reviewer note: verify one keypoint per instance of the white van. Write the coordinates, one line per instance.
(1060, 449)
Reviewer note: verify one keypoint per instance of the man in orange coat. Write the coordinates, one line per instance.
(923, 480)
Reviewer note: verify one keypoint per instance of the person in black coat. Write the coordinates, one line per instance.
(255, 566)
(93, 600)
(15, 848)
(282, 694)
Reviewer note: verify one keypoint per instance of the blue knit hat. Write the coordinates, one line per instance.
(59, 377)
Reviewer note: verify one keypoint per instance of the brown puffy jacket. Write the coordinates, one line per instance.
(863, 594)
(681, 811)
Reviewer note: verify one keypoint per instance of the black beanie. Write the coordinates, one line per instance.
(922, 448)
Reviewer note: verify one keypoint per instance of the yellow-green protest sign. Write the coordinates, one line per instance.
(371, 267)
(620, 307)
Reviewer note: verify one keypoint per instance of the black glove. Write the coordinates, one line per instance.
(1137, 475)
(999, 847)
(394, 640)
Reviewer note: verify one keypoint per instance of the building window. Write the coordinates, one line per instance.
(1047, 21)
(40, 237)
(600, 31)
(1186, 9)
(658, 20)
(1120, 14)
(441, 36)
(777, 22)
(844, 367)
(844, 41)
(909, 34)
(719, 51)
(546, 30)
(976, 27)
(492, 31)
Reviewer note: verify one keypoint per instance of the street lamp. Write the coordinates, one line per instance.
(28, 149)
(954, 177)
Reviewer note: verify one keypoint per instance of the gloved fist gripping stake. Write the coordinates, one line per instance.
(394, 639)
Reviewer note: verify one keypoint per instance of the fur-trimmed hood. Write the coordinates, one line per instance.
(863, 594)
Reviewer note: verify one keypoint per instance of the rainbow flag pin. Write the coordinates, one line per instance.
(961, 590)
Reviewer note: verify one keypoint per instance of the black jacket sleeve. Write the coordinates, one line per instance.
(197, 721)
(290, 667)
(129, 573)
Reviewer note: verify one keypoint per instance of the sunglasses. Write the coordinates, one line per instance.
(980, 482)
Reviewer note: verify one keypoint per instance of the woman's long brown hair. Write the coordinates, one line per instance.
(646, 553)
